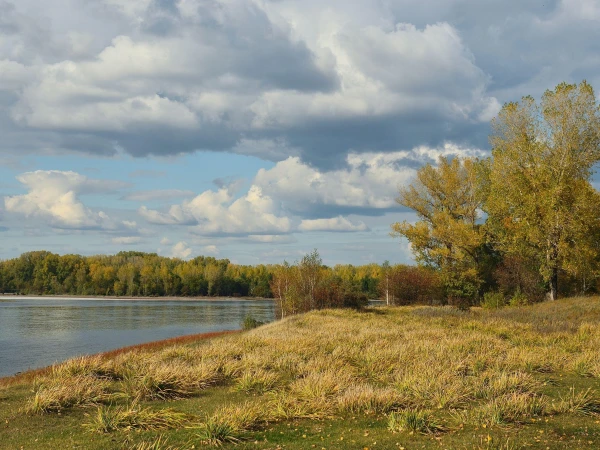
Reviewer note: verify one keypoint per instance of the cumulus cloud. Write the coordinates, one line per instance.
(219, 212)
(250, 78)
(333, 224)
(181, 250)
(368, 184)
(210, 250)
(293, 196)
(54, 195)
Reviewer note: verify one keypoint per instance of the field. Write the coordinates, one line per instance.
(387, 378)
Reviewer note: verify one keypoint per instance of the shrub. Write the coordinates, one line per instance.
(493, 300)
(519, 299)
(250, 323)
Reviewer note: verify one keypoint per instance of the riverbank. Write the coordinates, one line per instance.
(30, 375)
(405, 377)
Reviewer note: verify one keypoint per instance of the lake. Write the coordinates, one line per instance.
(37, 332)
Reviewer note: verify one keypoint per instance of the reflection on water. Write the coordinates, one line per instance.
(37, 332)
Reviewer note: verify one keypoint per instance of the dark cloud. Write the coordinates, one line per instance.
(166, 77)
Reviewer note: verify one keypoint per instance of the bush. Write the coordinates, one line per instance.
(493, 300)
(250, 323)
(519, 299)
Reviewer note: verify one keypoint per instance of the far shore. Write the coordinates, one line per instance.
(124, 297)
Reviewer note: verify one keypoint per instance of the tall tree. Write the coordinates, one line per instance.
(448, 234)
(541, 204)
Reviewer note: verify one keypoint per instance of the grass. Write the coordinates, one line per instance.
(414, 421)
(424, 377)
(134, 417)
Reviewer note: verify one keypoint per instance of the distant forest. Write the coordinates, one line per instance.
(148, 274)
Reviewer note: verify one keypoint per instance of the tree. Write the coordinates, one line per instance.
(448, 236)
(385, 282)
(310, 275)
(540, 203)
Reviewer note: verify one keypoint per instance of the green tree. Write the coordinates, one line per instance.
(448, 235)
(540, 202)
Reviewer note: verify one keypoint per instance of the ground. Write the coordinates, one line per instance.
(387, 378)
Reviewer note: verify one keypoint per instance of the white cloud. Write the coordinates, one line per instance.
(218, 212)
(333, 224)
(370, 181)
(54, 195)
(165, 241)
(126, 240)
(404, 71)
(181, 250)
(210, 250)
(294, 192)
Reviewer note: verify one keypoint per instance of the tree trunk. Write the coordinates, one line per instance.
(553, 294)
(552, 261)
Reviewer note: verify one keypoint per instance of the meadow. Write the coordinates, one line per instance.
(390, 378)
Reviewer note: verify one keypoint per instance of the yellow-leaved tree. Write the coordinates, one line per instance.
(540, 201)
(448, 235)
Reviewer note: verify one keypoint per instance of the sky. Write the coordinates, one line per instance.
(256, 130)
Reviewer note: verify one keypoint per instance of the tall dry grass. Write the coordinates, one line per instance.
(482, 366)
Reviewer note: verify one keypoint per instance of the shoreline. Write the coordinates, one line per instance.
(29, 375)
(131, 298)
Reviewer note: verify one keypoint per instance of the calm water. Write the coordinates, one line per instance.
(38, 332)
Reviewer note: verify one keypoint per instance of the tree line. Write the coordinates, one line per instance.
(132, 274)
(523, 224)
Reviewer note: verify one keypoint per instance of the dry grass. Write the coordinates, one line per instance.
(412, 363)
(54, 394)
(583, 402)
(160, 443)
(414, 421)
(114, 418)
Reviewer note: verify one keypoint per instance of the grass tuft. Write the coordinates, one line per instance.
(217, 432)
(583, 402)
(257, 382)
(414, 421)
(55, 394)
(133, 416)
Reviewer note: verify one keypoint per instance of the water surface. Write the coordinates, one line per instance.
(36, 332)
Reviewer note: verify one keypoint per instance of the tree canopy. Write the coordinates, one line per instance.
(535, 193)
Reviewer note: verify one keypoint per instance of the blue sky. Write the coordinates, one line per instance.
(256, 130)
